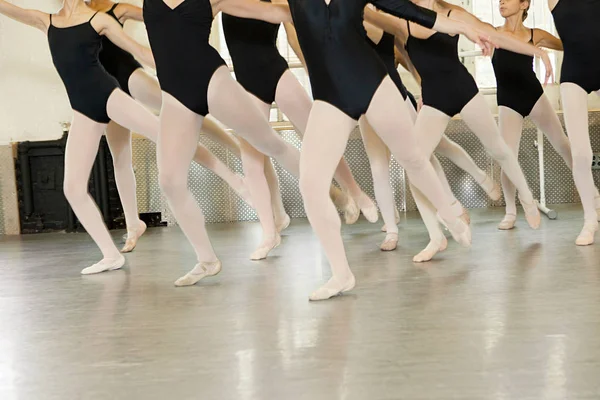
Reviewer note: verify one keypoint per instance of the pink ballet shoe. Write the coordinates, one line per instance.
(283, 224)
(390, 242)
(104, 265)
(431, 250)
(508, 222)
(532, 213)
(368, 208)
(333, 288)
(586, 236)
(132, 237)
(200, 271)
(351, 211)
(493, 189)
(460, 231)
(265, 248)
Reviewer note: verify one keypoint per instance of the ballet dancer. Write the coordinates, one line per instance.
(194, 80)
(379, 156)
(435, 56)
(520, 94)
(577, 25)
(348, 81)
(134, 81)
(264, 73)
(145, 88)
(74, 37)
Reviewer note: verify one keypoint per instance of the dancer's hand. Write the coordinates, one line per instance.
(479, 38)
(549, 69)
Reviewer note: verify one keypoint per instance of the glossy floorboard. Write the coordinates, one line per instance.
(515, 317)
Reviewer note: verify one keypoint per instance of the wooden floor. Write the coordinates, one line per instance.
(517, 316)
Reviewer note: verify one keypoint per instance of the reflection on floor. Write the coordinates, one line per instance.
(517, 316)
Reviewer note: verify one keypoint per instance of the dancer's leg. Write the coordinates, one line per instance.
(379, 158)
(545, 118)
(146, 89)
(264, 187)
(293, 101)
(412, 111)
(176, 145)
(479, 119)
(510, 124)
(576, 119)
(390, 119)
(254, 167)
(216, 132)
(282, 219)
(429, 129)
(82, 146)
(324, 143)
(463, 160)
(231, 104)
(437, 240)
(119, 143)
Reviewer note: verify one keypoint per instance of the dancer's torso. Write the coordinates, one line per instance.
(185, 61)
(117, 62)
(344, 69)
(75, 54)
(446, 83)
(257, 63)
(577, 23)
(517, 85)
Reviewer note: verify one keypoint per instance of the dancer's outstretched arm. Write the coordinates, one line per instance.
(34, 18)
(107, 26)
(541, 38)
(392, 23)
(502, 39)
(130, 12)
(256, 9)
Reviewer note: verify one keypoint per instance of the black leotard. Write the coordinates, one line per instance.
(75, 52)
(185, 61)
(385, 51)
(446, 84)
(344, 70)
(117, 61)
(257, 63)
(577, 24)
(518, 87)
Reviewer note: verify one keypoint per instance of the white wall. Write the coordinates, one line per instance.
(32, 98)
(33, 101)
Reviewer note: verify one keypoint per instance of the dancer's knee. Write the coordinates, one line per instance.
(314, 191)
(414, 163)
(75, 190)
(253, 165)
(122, 159)
(582, 159)
(172, 183)
(380, 167)
(499, 150)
